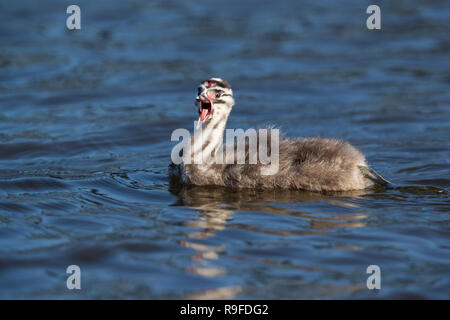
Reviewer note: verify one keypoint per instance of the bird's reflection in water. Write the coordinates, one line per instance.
(217, 205)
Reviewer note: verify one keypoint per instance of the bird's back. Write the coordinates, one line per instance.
(313, 164)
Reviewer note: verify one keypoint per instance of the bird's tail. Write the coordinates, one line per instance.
(371, 174)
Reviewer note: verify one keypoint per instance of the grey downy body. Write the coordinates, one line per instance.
(313, 164)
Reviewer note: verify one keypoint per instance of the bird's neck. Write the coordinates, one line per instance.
(208, 138)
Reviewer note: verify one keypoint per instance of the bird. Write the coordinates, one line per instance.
(310, 164)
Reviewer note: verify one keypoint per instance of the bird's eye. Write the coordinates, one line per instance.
(218, 94)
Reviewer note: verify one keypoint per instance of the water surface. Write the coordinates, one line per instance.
(85, 124)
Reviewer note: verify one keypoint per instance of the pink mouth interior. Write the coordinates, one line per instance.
(204, 110)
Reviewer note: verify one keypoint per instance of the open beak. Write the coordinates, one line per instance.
(205, 108)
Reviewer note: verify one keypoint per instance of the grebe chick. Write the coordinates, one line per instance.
(313, 164)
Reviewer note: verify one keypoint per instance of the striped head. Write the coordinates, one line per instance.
(214, 99)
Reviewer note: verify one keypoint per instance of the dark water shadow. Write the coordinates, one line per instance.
(216, 204)
(217, 207)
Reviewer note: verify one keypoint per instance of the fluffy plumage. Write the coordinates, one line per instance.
(313, 164)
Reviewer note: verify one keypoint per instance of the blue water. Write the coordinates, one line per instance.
(85, 124)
